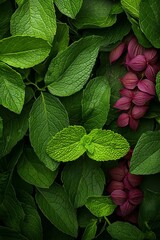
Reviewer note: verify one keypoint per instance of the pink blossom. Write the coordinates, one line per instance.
(126, 183)
(133, 123)
(139, 111)
(135, 180)
(141, 98)
(115, 185)
(126, 208)
(137, 63)
(146, 86)
(123, 103)
(129, 80)
(151, 72)
(123, 120)
(116, 52)
(117, 173)
(134, 48)
(126, 93)
(135, 196)
(151, 55)
(119, 197)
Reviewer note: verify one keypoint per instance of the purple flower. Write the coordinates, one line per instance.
(141, 98)
(139, 111)
(137, 63)
(126, 93)
(129, 80)
(146, 86)
(133, 123)
(116, 52)
(135, 196)
(115, 185)
(134, 48)
(151, 55)
(126, 209)
(123, 120)
(151, 72)
(119, 197)
(123, 103)
(135, 180)
(117, 173)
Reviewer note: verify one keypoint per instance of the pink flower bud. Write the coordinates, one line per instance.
(115, 185)
(146, 86)
(134, 180)
(135, 196)
(119, 197)
(151, 72)
(116, 52)
(139, 111)
(137, 63)
(133, 123)
(124, 103)
(127, 184)
(151, 55)
(134, 48)
(117, 173)
(130, 80)
(129, 155)
(141, 98)
(126, 209)
(127, 93)
(123, 120)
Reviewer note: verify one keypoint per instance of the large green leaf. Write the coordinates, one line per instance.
(11, 89)
(95, 14)
(35, 18)
(88, 178)
(47, 117)
(69, 8)
(96, 103)
(146, 154)
(23, 51)
(71, 68)
(55, 205)
(33, 171)
(149, 20)
(90, 230)
(131, 7)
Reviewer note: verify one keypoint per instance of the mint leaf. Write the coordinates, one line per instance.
(124, 231)
(145, 158)
(33, 171)
(106, 145)
(88, 178)
(69, 71)
(90, 230)
(47, 117)
(66, 145)
(23, 52)
(55, 205)
(95, 103)
(9, 234)
(69, 8)
(100, 206)
(35, 18)
(131, 7)
(95, 14)
(11, 89)
(149, 23)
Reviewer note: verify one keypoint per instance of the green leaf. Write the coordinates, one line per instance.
(131, 7)
(9, 234)
(96, 103)
(35, 18)
(146, 154)
(69, 8)
(95, 14)
(33, 171)
(71, 68)
(149, 23)
(19, 2)
(158, 85)
(88, 178)
(100, 206)
(47, 117)
(124, 231)
(14, 128)
(55, 205)
(11, 89)
(90, 230)
(1, 127)
(106, 145)
(4, 181)
(23, 52)
(66, 145)
(5, 15)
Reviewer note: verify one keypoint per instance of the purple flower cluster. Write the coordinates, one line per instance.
(124, 189)
(139, 82)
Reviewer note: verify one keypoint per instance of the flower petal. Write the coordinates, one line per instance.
(123, 103)
(151, 72)
(134, 48)
(129, 80)
(123, 120)
(127, 208)
(119, 197)
(135, 196)
(115, 185)
(151, 55)
(133, 123)
(146, 86)
(137, 63)
(141, 98)
(139, 111)
(116, 52)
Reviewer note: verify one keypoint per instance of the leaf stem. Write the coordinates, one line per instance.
(107, 220)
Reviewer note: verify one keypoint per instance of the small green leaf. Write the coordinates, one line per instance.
(158, 85)
(66, 145)
(88, 178)
(125, 231)
(47, 117)
(96, 103)
(90, 230)
(146, 154)
(33, 171)
(100, 206)
(35, 18)
(23, 51)
(11, 89)
(55, 205)
(69, 71)
(107, 145)
(69, 8)
(131, 7)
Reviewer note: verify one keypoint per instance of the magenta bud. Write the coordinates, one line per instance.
(151, 55)
(115, 185)
(134, 48)
(151, 72)
(119, 197)
(137, 63)
(116, 52)
(146, 86)
(117, 173)
(126, 93)
(124, 103)
(123, 120)
(139, 111)
(141, 98)
(130, 80)
(133, 123)
(127, 208)
(135, 180)
(129, 155)
(135, 196)
(133, 217)
(126, 183)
